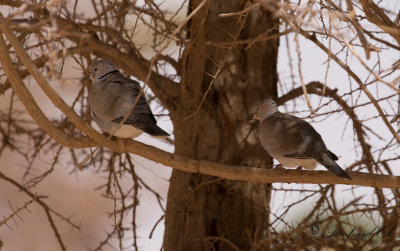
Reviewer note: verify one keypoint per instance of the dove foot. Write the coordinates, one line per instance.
(108, 135)
(300, 169)
(280, 167)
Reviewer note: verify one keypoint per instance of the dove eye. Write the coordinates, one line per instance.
(95, 69)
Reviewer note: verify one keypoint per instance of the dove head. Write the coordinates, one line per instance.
(263, 108)
(100, 68)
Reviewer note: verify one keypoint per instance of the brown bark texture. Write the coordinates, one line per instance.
(218, 87)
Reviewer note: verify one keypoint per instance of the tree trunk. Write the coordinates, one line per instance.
(203, 211)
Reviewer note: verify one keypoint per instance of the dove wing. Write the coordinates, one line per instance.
(114, 96)
(289, 136)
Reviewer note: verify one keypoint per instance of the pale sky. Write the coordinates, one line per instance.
(78, 191)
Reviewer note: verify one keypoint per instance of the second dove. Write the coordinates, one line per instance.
(292, 141)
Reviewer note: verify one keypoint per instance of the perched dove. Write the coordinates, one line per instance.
(292, 141)
(111, 98)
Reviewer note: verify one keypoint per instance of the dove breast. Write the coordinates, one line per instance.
(121, 131)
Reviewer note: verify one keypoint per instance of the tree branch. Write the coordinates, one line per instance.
(44, 206)
(356, 78)
(312, 37)
(189, 165)
(39, 62)
(165, 89)
(33, 109)
(378, 17)
(131, 62)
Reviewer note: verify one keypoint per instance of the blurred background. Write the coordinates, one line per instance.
(80, 196)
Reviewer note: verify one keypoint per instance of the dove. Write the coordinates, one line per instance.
(111, 98)
(292, 141)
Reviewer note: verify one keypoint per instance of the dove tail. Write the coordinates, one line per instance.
(334, 157)
(155, 131)
(332, 166)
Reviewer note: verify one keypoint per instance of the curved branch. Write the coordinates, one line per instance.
(130, 61)
(38, 200)
(39, 62)
(181, 163)
(378, 17)
(169, 159)
(356, 78)
(150, 152)
(312, 87)
(11, 3)
(312, 37)
(165, 89)
(25, 95)
(26, 98)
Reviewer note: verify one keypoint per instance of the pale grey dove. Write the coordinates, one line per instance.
(111, 98)
(292, 141)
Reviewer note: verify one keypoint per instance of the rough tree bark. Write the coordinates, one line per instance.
(204, 210)
(225, 63)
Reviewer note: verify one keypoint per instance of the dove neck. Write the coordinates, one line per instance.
(114, 71)
(269, 115)
(269, 111)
